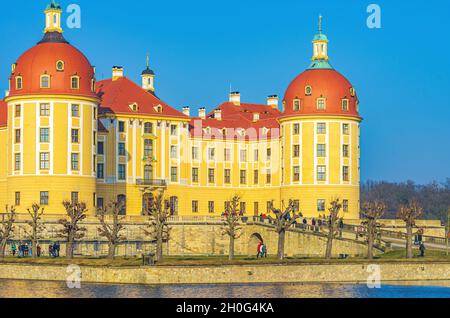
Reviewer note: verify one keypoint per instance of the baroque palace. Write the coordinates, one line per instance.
(64, 136)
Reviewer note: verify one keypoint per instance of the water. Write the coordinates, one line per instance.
(39, 289)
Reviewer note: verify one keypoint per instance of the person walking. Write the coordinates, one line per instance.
(38, 250)
(13, 249)
(259, 250)
(422, 249)
(50, 251)
(263, 251)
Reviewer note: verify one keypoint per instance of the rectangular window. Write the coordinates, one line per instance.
(174, 174)
(173, 152)
(345, 151)
(321, 173)
(195, 175)
(121, 126)
(122, 149)
(296, 151)
(45, 81)
(100, 203)
(148, 128)
(17, 161)
(44, 110)
(345, 174)
(19, 83)
(243, 155)
(100, 148)
(269, 206)
(100, 171)
(44, 198)
(227, 176)
(17, 111)
(269, 176)
(75, 137)
(321, 104)
(211, 177)
(256, 208)
(243, 208)
(256, 155)
(44, 135)
(256, 177)
(243, 177)
(211, 206)
(227, 154)
(44, 161)
(321, 205)
(17, 136)
(195, 153)
(194, 206)
(321, 128)
(345, 205)
(296, 105)
(345, 129)
(75, 162)
(148, 149)
(296, 129)
(94, 137)
(211, 153)
(345, 105)
(75, 110)
(74, 197)
(269, 153)
(296, 171)
(227, 205)
(173, 130)
(75, 82)
(321, 150)
(122, 172)
(17, 199)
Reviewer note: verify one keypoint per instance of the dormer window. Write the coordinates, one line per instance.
(75, 82)
(19, 82)
(134, 107)
(60, 66)
(296, 105)
(353, 92)
(344, 104)
(158, 109)
(45, 81)
(321, 104)
(308, 90)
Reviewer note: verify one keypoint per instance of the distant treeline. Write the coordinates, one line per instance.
(434, 197)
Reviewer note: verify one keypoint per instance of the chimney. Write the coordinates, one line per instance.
(218, 114)
(235, 98)
(256, 117)
(272, 101)
(187, 111)
(117, 72)
(202, 113)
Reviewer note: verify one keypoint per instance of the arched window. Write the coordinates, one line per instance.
(148, 128)
(345, 104)
(19, 82)
(75, 82)
(148, 148)
(122, 200)
(45, 81)
(60, 66)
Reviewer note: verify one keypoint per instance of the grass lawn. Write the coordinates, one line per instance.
(393, 256)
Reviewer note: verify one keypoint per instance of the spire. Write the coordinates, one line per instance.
(53, 18)
(320, 49)
(148, 77)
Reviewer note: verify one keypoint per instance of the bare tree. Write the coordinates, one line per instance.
(6, 228)
(409, 213)
(111, 225)
(372, 211)
(283, 221)
(332, 224)
(158, 227)
(231, 228)
(71, 231)
(36, 225)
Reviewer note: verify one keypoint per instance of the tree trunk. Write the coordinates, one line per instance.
(159, 247)
(2, 249)
(329, 249)
(69, 248)
(370, 240)
(409, 250)
(34, 245)
(111, 251)
(281, 239)
(231, 252)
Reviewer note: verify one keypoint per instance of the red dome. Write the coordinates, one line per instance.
(42, 60)
(324, 83)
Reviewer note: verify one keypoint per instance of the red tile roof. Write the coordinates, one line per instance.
(3, 114)
(117, 96)
(235, 117)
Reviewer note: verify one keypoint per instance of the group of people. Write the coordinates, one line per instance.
(25, 249)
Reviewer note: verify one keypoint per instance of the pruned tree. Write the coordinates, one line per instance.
(158, 226)
(36, 227)
(371, 212)
(111, 225)
(71, 230)
(6, 228)
(332, 225)
(283, 221)
(409, 213)
(232, 220)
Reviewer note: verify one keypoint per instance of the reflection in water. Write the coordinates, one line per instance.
(35, 289)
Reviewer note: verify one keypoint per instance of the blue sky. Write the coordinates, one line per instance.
(199, 48)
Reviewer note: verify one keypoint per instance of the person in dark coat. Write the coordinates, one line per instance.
(422, 249)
